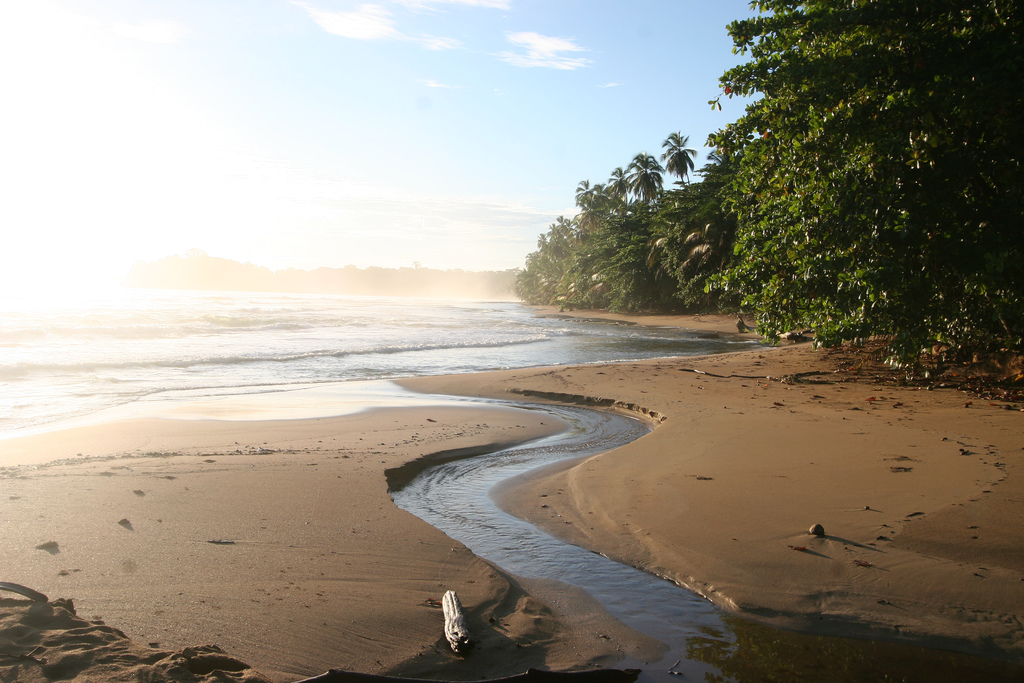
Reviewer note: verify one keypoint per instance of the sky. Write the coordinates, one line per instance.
(301, 134)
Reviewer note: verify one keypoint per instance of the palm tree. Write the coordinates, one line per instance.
(564, 234)
(593, 204)
(618, 184)
(584, 192)
(645, 179)
(548, 270)
(710, 233)
(678, 157)
(706, 249)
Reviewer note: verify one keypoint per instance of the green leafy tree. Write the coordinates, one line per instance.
(627, 280)
(543, 280)
(694, 234)
(655, 253)
(880, 185)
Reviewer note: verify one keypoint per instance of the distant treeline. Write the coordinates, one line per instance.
(197, 270)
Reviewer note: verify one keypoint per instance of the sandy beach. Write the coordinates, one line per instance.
(314, 566)
(278, 542)
(919, 492)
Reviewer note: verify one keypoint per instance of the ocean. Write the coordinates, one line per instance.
(81, 356)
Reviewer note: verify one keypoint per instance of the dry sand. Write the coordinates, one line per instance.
(321, 570)
(921, 493)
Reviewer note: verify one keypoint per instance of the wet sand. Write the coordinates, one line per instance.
(314, 566)
(920, 493)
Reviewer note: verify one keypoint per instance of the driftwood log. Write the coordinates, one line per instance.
(456, 630)
(531, 676)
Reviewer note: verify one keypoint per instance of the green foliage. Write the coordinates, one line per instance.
(695, 234)
(880, 184)
(678, 156)
(634, 246)
(630, 283)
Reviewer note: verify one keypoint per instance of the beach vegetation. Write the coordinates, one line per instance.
(635, 245)
(879, 180)
(678, 156)
(873, 187)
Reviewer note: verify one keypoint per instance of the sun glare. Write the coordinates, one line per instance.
(107, 159)
(102, 163)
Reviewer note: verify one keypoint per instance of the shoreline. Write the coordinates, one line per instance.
(718, 498)
(315, 567)
(918, 492)
(712, 323)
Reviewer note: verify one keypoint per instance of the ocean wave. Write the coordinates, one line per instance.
(141, 332)
(151, 324)
(254, 323)
(62, 361)
(20, 370)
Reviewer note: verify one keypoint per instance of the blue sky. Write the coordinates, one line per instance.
(329, 132)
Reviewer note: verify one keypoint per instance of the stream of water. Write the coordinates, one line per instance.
(704, 642)
(454, 497)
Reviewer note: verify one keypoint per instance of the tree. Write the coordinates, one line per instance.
(694, 235)
(628, 281)
(618, 185)
(549, 268)
(678, 157)
(644, 178)
(654, 254)
(880, 188)
(584, 192)
(593, 203)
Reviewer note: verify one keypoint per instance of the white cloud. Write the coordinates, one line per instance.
(544, 51)
(152, 31)
(435, 84)
(610, 85)
(369, 22)
(434, 43)
(429, 4)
